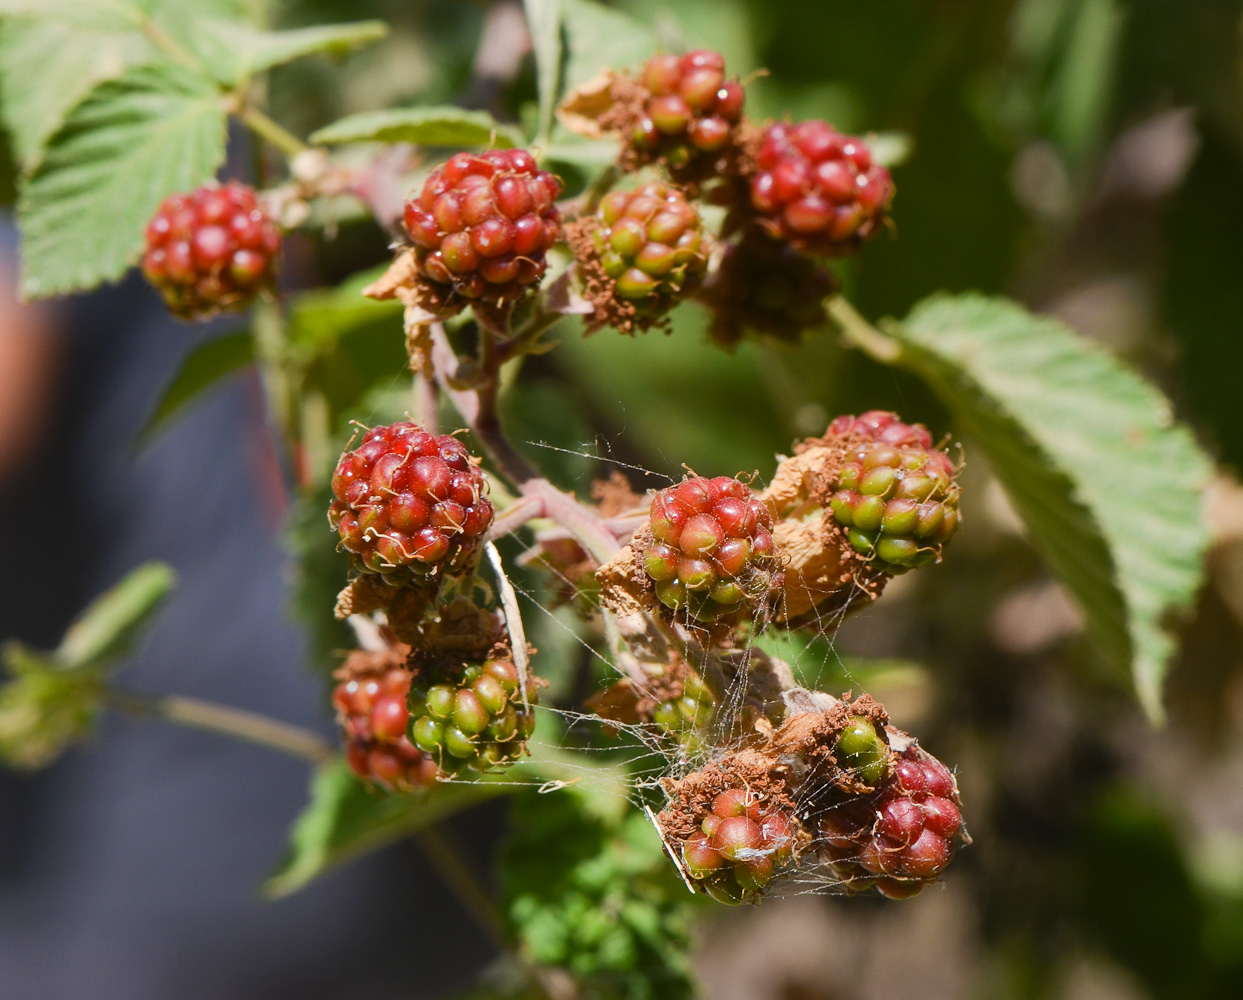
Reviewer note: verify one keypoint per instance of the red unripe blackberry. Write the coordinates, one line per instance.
(905, 831)
(691, 108)
(818, 189)
(767, 286)
(471, 716)
(710, 548)
(482, 224)
(409, 505)
(648, 246)
(742, 843)
(895, 494)
(371, 708)
(211, 250)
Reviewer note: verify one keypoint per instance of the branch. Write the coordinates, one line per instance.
(859, 333)
(270, 131)
(237, 723)
(478, 409)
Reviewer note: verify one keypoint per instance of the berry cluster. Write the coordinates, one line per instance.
(691, 108)
(895, 494)
(482, 224)
(211, 250)
(817, 189)
(765, 285)
(473, 717)
(409, 505)
(901, 836)
(371, 707)
(710, 549)
(740, 845)
(649, 245)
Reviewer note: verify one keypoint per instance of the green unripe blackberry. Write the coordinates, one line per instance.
(895, 494)
(641, 252)
(861, 749)
(471, 716)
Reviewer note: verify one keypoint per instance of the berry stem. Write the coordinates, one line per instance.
(859, 333)
(478, 410)
(427, 402)
(271, 132)
(457, 874)
(225, 720)
(280, 380)
(584, 524)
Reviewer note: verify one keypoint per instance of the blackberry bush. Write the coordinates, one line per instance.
(661, 599)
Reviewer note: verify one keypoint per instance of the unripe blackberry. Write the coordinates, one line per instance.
(710, 549)
(691, 108)
(818, 189)
(408, 505)
(482, 224)
(895, 493)
(861, 751)
(211, 250)
(640, 252)
(684, 718)
(741, 844)
(767, 286)
(899, 837)
(370, 700)
(471, 717)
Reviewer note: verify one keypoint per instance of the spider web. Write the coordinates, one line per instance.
(653, 755)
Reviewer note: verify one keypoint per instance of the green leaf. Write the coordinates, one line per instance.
(598, 897)
(132, 142)
(598, 37)
(43, 708)
(544, 24)
(345, 819)
(205, 365)
(346, 344)
(432, 126)
(52, 700)
(319, 572)
(46, 68)
(234, 50)
(53, 52)
(110, 627)
(1111, 489)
